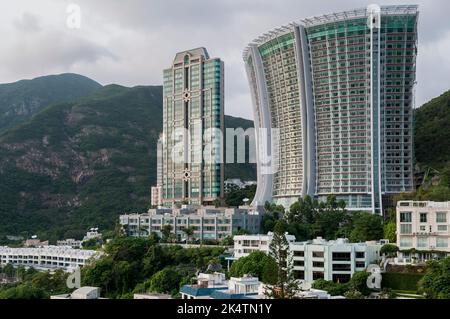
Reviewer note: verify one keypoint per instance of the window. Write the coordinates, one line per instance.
(405, 229)
(423, 217)
(423, 228)
(422, 242)
(405, 242)
(317, 264)
(341, 267)
(360, 254)
(317, 254)
(405, 217)
(441, 217)
(441, 242)
(442, 228)
(299, 253)
(360, 264)
(341, 278)
(299, 263)
(341, 257)
(318, 275)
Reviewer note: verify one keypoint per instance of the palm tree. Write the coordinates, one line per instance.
(166, 230)
(189, 231)
(143, 231)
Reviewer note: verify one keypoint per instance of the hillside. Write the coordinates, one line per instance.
(81, 164)
(432, 133)
(19, 101)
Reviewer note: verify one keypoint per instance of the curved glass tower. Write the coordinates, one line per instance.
(339, 88)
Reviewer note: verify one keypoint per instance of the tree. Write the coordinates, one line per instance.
(235, 197)
(9, 270)
(165, 281)
(358, 282)
(188, 231)
(353, 294)
(389, 230)
(166, 231)
(435, 284)
(366, 227)
(286, 285)
(227, 241)
(389, 250)
(333, 288)
(257, 264)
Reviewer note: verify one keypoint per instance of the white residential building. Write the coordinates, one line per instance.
(208, 222)
(335, 260)
(318, 258)
(48, 257)
(70, 242)
(424, 226)
(246, 244)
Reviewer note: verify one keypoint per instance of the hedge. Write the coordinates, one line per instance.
(401, 281)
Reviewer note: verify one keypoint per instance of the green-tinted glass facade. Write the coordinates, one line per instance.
(193, 101)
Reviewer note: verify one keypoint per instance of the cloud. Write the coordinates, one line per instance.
(28, 23)
(131, 42)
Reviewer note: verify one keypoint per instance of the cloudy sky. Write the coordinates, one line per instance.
(130, 42)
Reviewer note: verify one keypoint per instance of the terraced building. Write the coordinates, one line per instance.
(340, 89)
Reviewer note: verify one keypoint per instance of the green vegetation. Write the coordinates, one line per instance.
(401, 281)
(235, 197)
(333, 288)
(285, 286)
(356, 288)
(83, 163)
(309, 218)
(435, 284)
(432, 135)
(19, 101)
(142, 265)
(33, 284)
(389, 250)
(257, 264)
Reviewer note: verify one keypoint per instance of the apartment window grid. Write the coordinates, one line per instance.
(398, 41)
(340, 60)
(279, 62)
(201, 79)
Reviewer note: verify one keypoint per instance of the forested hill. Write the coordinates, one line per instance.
(82, 163)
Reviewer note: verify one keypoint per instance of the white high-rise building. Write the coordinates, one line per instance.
(340, 90)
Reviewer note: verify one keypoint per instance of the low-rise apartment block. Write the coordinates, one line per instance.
(424, 227)
(208, 223)
(335, 260)
(48, 257)
(244, 245)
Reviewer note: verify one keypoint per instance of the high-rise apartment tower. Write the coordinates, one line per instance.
(192, 165)
(340, 89)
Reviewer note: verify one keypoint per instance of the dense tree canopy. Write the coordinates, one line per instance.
(436, 281)
(257, 264)
(141, 263)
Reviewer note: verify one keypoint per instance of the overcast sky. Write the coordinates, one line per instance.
(130, 42)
